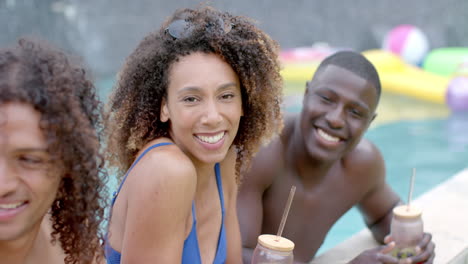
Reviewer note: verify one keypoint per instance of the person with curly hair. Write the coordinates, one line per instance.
(194, 101)
(51, 170)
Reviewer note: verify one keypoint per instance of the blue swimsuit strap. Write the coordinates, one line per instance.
(219, 183)
(221, 252)
(133, 165)
(191, 253)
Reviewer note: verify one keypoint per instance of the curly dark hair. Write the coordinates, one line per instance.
(35, 73)
(133, 117)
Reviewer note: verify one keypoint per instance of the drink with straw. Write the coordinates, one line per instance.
(272, 249)
(275, 249)
(407, 228)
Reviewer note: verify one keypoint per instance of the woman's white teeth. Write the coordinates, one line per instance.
(212, 139)
(326, 136)
(11, 206)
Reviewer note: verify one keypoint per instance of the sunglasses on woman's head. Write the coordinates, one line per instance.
(182, 28)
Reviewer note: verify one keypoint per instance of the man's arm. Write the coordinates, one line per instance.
(377, 210)
(377, 205)
(250, 198)
(250, 213)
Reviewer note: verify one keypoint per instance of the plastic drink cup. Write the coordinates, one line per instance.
(407, 230)
(272, 249)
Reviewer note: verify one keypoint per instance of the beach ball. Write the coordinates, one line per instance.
(407, 41)
(457, 94)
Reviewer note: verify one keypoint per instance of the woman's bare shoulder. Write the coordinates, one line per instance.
(159, 199)
(165, 167)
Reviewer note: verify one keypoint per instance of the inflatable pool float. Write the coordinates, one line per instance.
(299, 64)
(395, 75)
(399, 77)
(445, 61)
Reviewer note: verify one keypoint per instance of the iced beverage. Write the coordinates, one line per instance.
(407, 230)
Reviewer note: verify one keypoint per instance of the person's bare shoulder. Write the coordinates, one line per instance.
(366, 161)
(269, 160)
(168, 158)
(265, 164)
(161, 186)
(164, 167)
(289, 123)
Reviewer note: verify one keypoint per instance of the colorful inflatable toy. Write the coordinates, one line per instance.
(299, 64)
(408, 42)
(396, 75)
(457, 94)
(445, 61)
(399, 77)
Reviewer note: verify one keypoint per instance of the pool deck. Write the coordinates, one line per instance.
(445, 215)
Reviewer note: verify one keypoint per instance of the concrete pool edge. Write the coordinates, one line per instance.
(445, 216)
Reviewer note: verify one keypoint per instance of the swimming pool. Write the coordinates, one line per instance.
(409, 133)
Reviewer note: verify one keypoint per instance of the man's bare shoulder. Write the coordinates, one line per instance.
(365, 147)
(269, 160)
(289, 123)
(364, 159)
(266, 162)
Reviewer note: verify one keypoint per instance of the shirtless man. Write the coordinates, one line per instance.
(322, 153)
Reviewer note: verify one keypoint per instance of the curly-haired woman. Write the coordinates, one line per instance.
(51, 170)
(193, 103)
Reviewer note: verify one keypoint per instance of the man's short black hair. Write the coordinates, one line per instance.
(354, 62)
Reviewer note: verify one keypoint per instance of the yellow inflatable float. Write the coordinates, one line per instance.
(395, 75)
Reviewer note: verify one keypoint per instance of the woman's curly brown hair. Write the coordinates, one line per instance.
(35, 73)
(133, 117)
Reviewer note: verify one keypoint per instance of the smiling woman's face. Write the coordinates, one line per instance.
(28, 182)
(203, 106)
